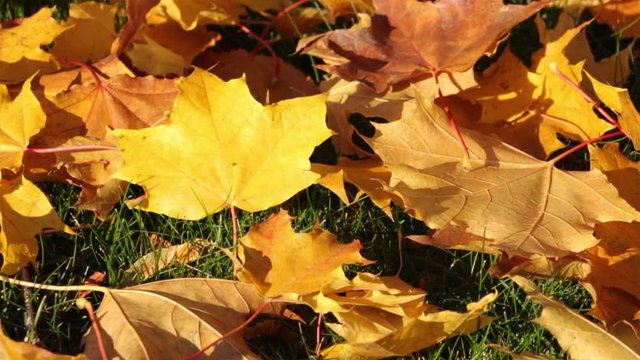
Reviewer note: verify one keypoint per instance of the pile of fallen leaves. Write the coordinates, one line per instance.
(472, 154)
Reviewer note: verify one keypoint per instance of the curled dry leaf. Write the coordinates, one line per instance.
(522, 355)
(579, 337)
(222, 148)
(156, 260)
(139, 322)
(454, 237)
(525, 205)
(411, 333)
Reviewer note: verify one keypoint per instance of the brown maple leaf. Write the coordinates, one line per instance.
(410, 40)
(121, 102)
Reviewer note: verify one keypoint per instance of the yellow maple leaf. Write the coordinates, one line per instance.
(190, 13)
(222, 148)
(270, 253)
(526, 205)
(21, 53)
(619, 100)
(19, 120)
(24, 212)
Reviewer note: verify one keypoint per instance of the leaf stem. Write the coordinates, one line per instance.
(86, 304)
(585, 144)
(291, 7)
(234, 226)
(76, 148)
(265, 43)
(88, 68)
(259, 310)
(453, 122)
(33, 285)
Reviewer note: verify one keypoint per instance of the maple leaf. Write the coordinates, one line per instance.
(508, 196)
(577, 335)
(190, 13)
(409, 40)
(613, 69)
(221, 148)
(269, 252)
(54, 84)
(614, 264)
(350, 97)
(621, 15)
(20, 119)
(410, 333)
(139, 319)
(167, 48)
(619, 100)
(91, 32)
(264, 85)
(339, 8)
(121, 102)
(370, 176)
(21, 54)
(24, 212)
(620, 171)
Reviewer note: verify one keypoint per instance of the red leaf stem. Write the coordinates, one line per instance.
(76, 148)
(585, 144)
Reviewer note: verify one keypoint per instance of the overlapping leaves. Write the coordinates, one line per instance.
(198, 144)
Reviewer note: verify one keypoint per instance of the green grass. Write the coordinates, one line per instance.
(452, 278)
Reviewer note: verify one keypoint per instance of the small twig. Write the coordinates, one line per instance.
(30, 320)
(319, 335)
(255, 314)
